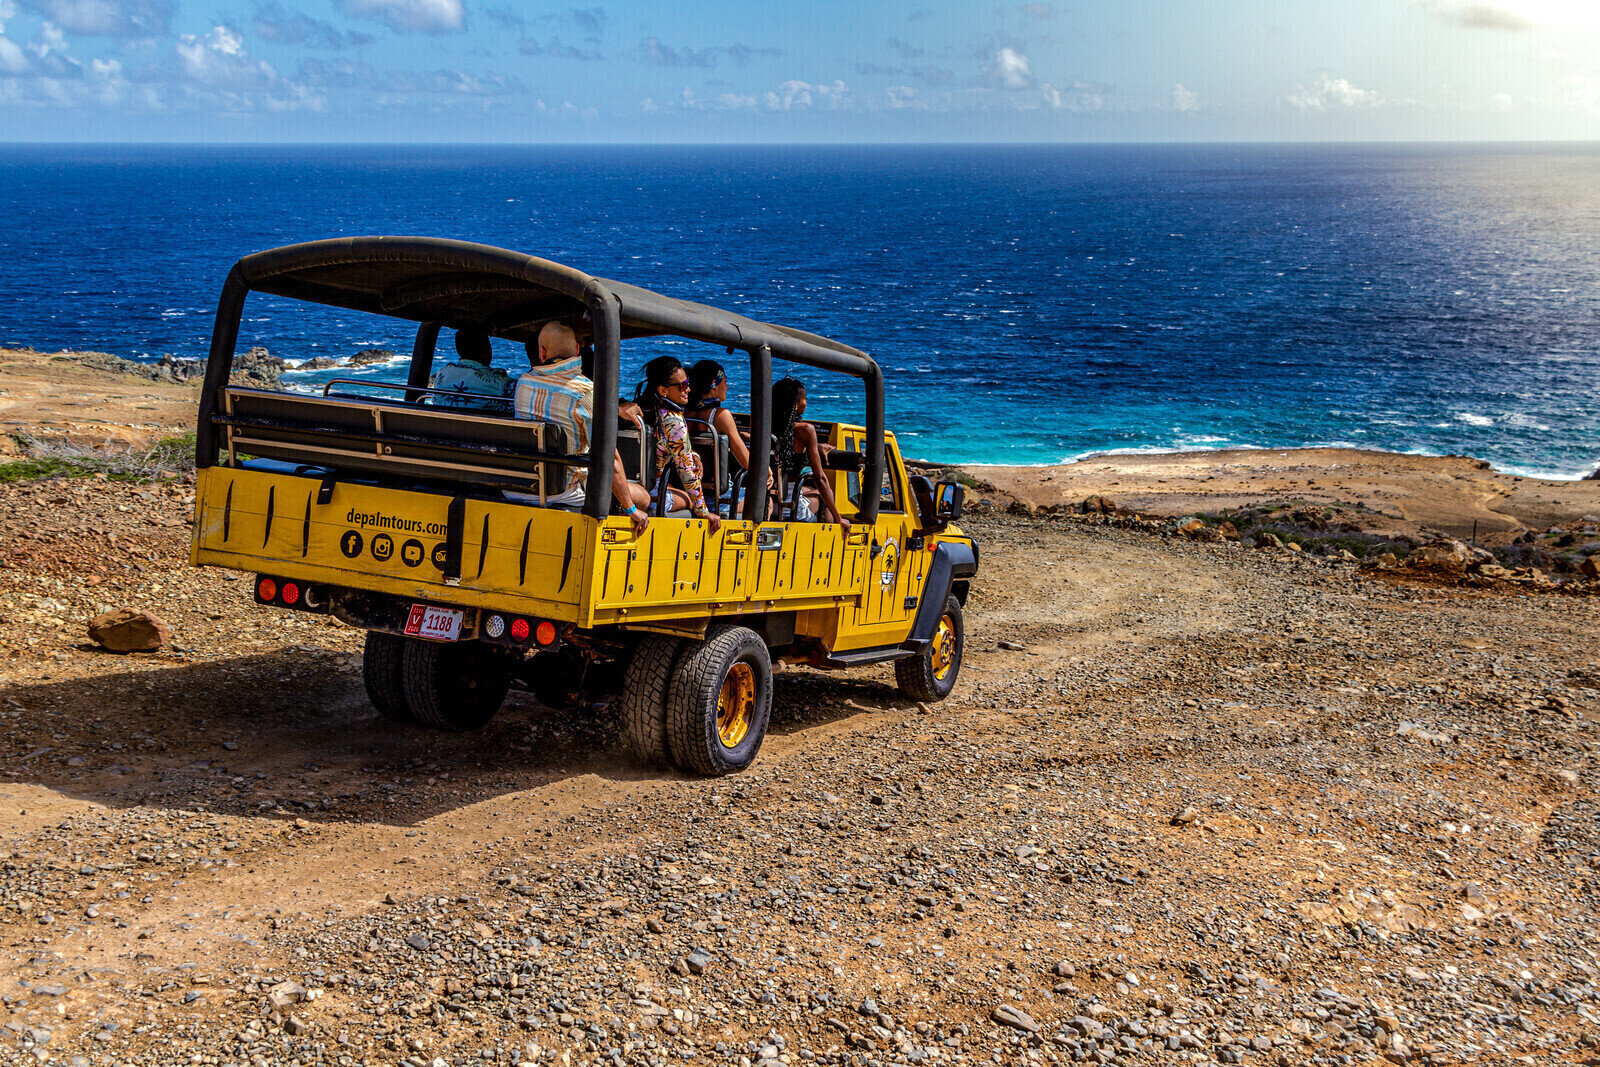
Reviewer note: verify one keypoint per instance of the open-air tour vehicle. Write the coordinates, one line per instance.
(432, 527)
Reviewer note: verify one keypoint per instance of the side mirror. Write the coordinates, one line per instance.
(949, 496)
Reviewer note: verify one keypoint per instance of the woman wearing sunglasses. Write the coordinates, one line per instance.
(663, 396)
(708, 390)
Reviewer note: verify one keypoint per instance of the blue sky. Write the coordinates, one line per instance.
(718, 70)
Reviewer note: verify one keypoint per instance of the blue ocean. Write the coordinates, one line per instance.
(1030, 304)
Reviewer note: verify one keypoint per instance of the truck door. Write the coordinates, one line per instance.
(894, 571)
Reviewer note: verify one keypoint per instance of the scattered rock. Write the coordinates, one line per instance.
(257, 367)
(129, 630)
(1013, 646)
(368, 356)
(1448, 556)
(1014, 1017)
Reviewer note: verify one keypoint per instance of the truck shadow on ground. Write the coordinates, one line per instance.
(292, 735)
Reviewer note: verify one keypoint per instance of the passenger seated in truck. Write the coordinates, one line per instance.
(555, 390)
(662, 395)
(798, 447)
(708, 390)
(470, 382)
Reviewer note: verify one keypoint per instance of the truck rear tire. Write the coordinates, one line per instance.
(381, 670)
(931, 673)
(720, 702)
(644, 698)
(454, 686)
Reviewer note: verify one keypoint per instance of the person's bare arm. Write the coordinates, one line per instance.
(627, 495)
(724, 424)
(632, 412)
(807, 435)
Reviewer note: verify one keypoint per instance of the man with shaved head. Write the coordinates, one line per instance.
(555, 390)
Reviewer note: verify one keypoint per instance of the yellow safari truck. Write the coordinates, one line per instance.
(444, 532)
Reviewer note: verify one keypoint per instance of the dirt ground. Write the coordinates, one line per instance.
(1206, 804)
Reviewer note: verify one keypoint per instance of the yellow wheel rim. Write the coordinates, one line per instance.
(944, 648)
(735, 705)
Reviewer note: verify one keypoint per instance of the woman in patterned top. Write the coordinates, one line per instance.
(662, 395)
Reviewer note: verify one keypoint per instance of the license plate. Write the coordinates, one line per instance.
(433, 623)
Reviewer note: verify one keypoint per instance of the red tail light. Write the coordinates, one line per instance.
(267, 589)
(519, 630)
(291, 592)
(545, 634)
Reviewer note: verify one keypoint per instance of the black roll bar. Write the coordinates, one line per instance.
(607, 369)
(421, 369)
(755, 483)
(430, 281)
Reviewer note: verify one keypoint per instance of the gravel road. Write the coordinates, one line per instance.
(1207, 804)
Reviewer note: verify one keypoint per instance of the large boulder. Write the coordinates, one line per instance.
(371, 355)
(1590, 567)
(127, 630)
(1593, 476)
(258, 368)
(1441, 555)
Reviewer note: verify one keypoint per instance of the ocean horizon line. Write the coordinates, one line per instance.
(972, 143)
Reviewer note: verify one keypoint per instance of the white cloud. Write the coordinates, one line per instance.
(1329, 93)
(1502, 102)
(218, 59)
(1514, 15)
(12, 61)
(1184, 100)
(900, 96)
(798, 94)
(401, 16)
(107, 18)
(1011, 67)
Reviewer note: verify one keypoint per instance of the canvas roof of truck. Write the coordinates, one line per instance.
(511, 294)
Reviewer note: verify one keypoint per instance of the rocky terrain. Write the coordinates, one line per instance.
(1192, 802)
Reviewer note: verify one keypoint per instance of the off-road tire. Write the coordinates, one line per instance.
(915, 675)
(453, 686)
(692, 701)
(644, 699)
(381, 669)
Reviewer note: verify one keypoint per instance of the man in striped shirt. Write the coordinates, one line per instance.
(555, 390)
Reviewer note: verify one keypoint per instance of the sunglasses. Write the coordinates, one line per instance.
(678, 385)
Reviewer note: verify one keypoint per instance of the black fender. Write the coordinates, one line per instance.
(952, 560)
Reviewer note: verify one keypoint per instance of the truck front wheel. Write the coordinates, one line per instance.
(931, 673)
(720, 702)
(454, 686)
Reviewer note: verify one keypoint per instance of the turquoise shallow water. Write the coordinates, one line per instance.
(1029, 304)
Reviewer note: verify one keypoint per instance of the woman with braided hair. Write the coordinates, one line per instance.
(797, 448)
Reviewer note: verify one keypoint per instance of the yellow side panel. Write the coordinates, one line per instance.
(674, 562)
(680, 570)
(385, 540)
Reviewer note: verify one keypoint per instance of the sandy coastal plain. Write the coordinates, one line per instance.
(1193, 801)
